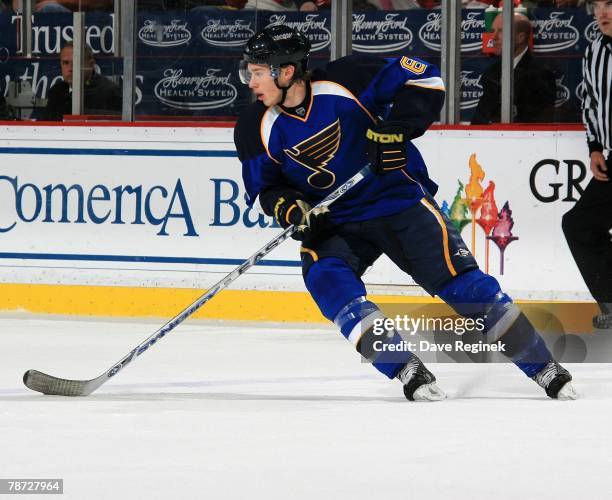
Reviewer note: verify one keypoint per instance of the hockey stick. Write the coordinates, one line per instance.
(47, 384)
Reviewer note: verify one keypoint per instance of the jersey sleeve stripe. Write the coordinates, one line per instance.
(435, 82)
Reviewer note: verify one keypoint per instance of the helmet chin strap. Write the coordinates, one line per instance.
(283, 90)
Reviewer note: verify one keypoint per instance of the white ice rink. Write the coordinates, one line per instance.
(249, 412)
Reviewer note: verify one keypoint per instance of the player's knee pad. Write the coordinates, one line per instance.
(473, 292)
(364, 325)
(477, 295)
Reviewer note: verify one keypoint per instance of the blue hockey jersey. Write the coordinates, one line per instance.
(316, 146)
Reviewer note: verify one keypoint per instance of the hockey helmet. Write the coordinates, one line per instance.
(276, 46)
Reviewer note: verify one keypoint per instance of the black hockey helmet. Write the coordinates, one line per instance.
(276, 46)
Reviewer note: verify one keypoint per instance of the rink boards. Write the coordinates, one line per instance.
(138, 220)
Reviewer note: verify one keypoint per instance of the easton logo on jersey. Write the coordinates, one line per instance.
(416, 67)
(316, 152)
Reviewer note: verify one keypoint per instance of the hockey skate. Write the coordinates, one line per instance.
(603, 321)
(556, 381)
(419, 382)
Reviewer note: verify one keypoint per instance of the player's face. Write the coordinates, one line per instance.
(603, 14)
(262, 84)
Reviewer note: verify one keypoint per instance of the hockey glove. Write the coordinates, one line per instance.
(310, 222)
(387, 147)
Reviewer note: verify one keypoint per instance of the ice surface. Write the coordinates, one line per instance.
(273, 412)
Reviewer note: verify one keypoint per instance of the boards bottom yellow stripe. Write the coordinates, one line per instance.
(166, 303)
(157, 302)
(245, 305)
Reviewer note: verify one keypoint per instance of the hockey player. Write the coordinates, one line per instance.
(309, 132)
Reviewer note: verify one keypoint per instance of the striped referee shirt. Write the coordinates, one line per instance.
(596, 98)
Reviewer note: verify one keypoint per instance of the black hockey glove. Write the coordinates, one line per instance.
(387, 147)
(310, 222)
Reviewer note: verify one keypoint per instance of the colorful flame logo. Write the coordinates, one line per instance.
(479, 208)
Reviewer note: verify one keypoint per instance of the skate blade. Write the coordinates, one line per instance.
(567, 392)
(429, 392)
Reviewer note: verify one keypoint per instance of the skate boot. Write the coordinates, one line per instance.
(419, 382)
(556, 381)
(603, 321)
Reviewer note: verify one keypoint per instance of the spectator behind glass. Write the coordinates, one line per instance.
(534, 84)
(101, 96)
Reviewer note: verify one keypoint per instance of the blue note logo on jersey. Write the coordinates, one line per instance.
(416, 67)
(316, 152)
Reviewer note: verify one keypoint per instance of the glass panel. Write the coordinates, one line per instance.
(188, 52)
(475, 57)
(187, 60)
(8, 53)
(313, 19)
(40, 87)
(560, 38)
(391, 28)
(549, 44)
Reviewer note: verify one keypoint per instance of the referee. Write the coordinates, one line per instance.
(587, 226)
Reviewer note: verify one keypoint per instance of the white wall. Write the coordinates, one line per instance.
(189, 183)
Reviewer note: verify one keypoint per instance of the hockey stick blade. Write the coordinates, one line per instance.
(47, 384)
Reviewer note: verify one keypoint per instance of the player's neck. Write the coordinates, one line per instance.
(295, 95)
